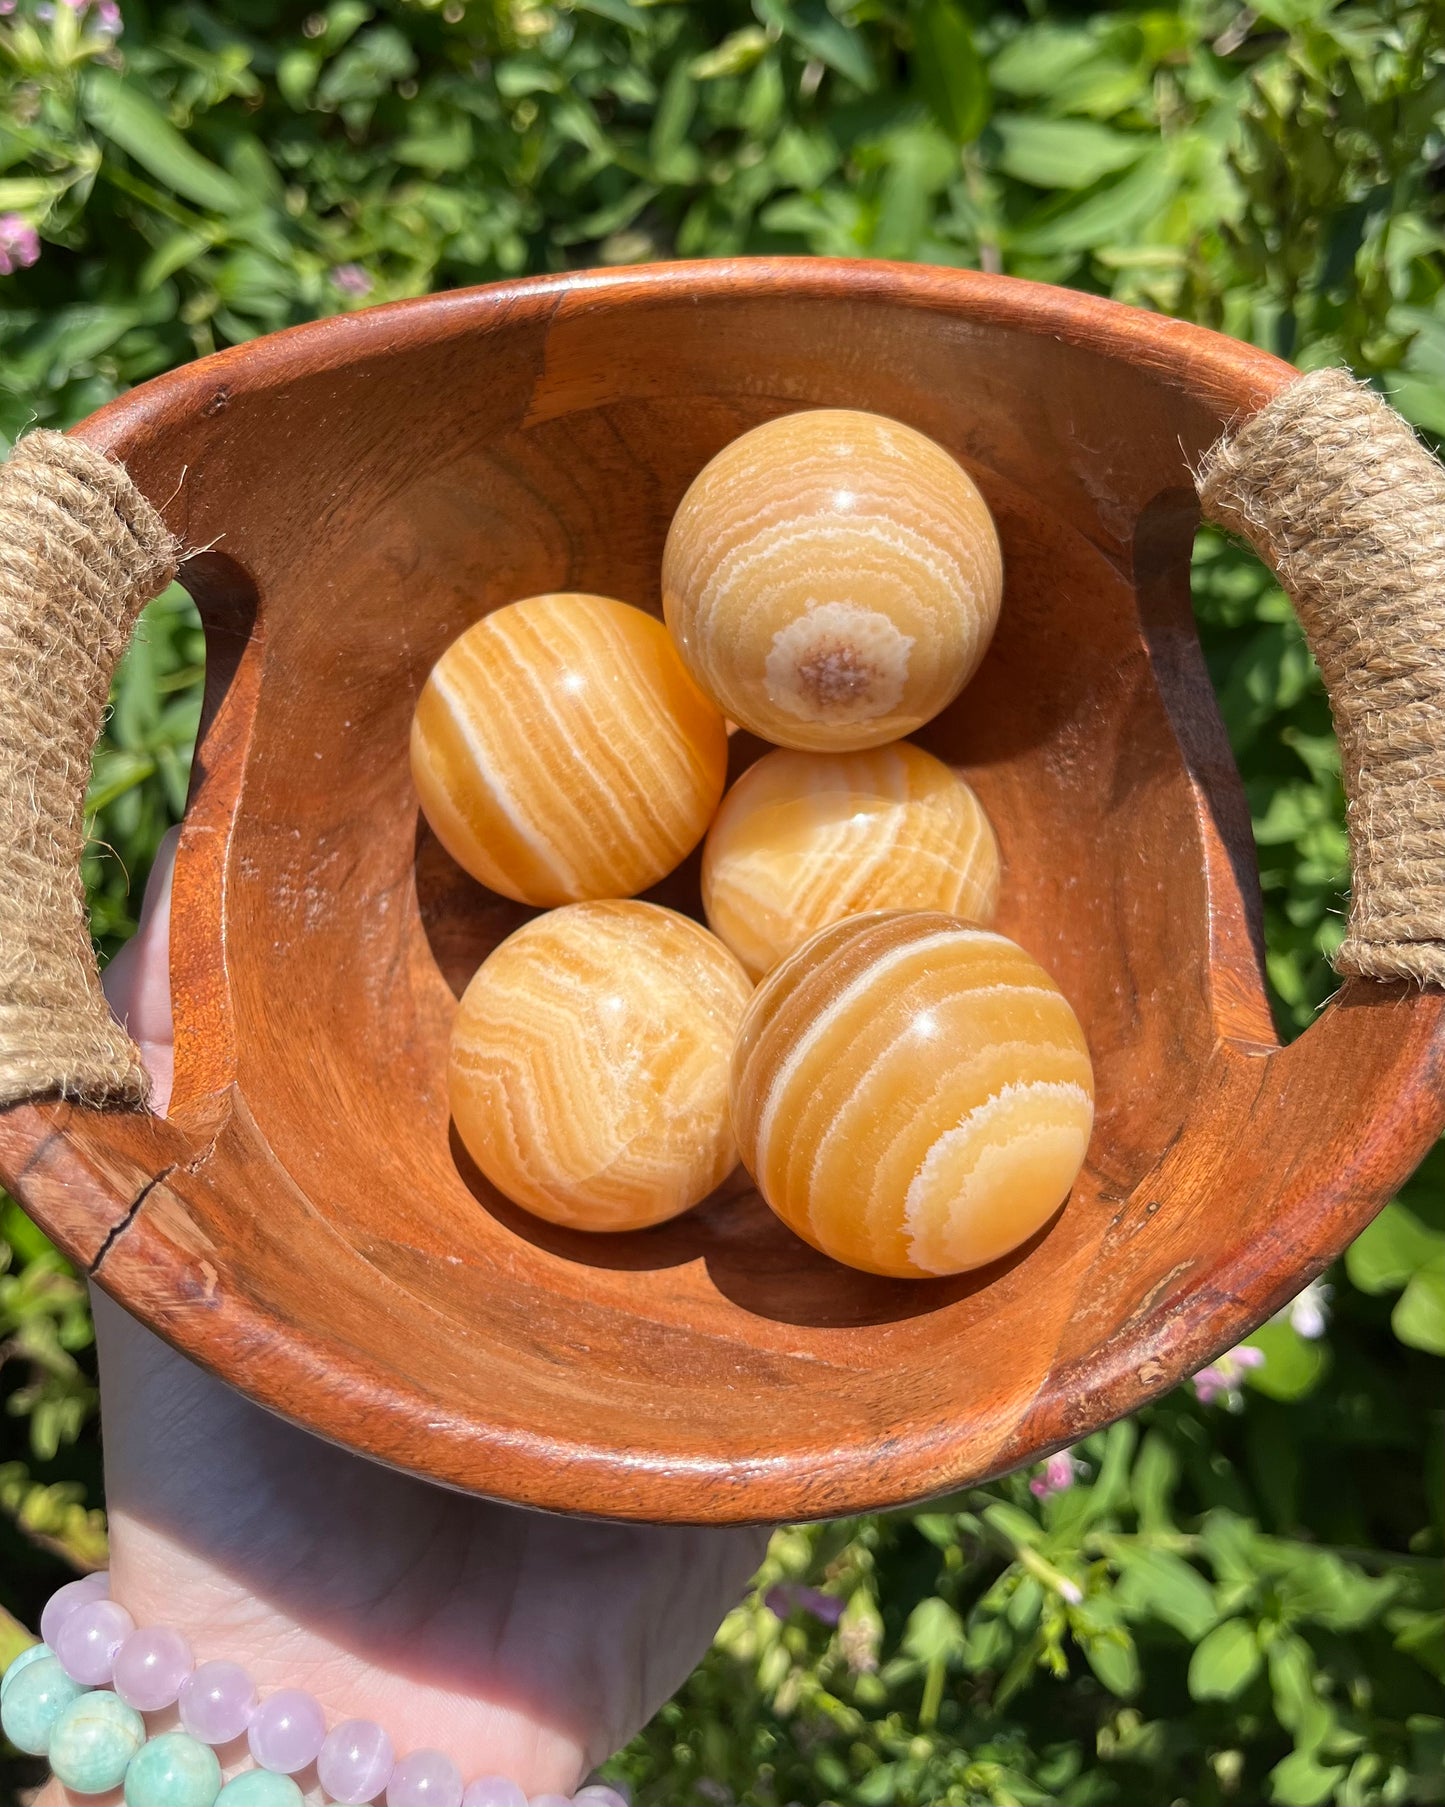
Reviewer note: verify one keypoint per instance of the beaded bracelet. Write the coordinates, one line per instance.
(55, 1703)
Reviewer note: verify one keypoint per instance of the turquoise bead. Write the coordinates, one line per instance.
(34, 1701)
(259, 1788)
(173, 1770)
(94, 1740)
(32, 1653)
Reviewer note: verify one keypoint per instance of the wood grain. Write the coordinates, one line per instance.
(304, 1223)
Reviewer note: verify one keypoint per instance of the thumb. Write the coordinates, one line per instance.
(138, 980)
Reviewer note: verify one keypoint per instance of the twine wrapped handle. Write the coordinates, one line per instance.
(81, 552)
(1336, 494)
(1327, 483)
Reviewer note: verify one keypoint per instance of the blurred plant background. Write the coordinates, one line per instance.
(1236, 1597)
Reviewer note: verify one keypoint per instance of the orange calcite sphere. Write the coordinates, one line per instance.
(912, 1094)
(589, 1064)
(562, 751)
(833, 579)
(805, 839)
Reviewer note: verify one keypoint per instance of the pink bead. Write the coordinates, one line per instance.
(63, 1602)
(287, 1731)
(425, 1779)
(89, 1638)
(599, 1794)
(217, 1701)
(356, 1761)
(149, 1668)
(550, 1800)
(494, 1791)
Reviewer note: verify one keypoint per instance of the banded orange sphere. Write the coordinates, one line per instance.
(562, 751)
(588, 1073)
(913, 1094)
(805, 839)
(833, 579)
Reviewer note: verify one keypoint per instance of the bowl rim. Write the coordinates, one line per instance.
(1218, 370)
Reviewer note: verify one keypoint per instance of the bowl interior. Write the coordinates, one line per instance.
(370, 490)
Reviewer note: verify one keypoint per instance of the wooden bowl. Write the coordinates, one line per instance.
(304, 1224)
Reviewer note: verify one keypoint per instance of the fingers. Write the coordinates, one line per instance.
(138, 980)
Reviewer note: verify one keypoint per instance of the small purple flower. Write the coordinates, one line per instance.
(7, 7)
(351, 279)
(104, 16)
(1061, 1470)
(788, 1597)
(19, 244)
(1220, 1381)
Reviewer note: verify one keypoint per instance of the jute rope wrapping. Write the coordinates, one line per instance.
(81, 552)
(1334, 491)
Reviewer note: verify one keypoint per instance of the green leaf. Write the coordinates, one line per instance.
(920, 162)
(1156, 1474)
(1293, 1365)
(1158, 1583)
(296, 73)
(1233, 1547)
(1419, 1317)
(28, 191)
(816, 30)
(133, 122)
(737, 53)
(1063, 153)
(1014, 1526)
(1226, 1662)
(1297, 1704)
(174, 252)
(1040, 58)
(939, 1528)
(341, 23)
(950, 70)
(1388, 1251)
(934, 1632)
(673, 158)
(1301, 1781)
(620, 12)
(1422, 1636)
(368, 67)
(1100, 218)
(1109, 1490)
(1115, 1660)
(14, 1638)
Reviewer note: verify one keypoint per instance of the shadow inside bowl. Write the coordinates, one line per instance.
(752, 1258)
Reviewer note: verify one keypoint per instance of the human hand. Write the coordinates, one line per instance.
(518, 1643)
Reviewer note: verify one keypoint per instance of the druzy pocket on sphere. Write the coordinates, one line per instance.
(913, 1094)
(589, 1064)
(561, 750)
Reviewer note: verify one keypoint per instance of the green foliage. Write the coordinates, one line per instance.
(1226, 1605)
(1084, 1649)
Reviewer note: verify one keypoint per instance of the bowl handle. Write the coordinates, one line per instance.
(1336, 494)
(81, 552)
